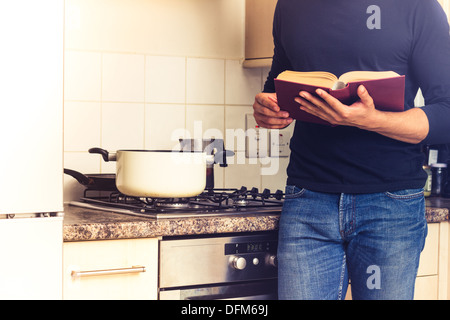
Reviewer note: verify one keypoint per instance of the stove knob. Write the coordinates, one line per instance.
(272, 261)
(239, 263)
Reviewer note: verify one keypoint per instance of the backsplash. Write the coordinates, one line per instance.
(122, 93)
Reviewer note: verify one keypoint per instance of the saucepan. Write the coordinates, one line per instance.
(158, 173)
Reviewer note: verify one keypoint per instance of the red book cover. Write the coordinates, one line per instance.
(388, 94)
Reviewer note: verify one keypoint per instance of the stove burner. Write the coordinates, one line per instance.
(172, 203)
(209, 202)
(241, 202)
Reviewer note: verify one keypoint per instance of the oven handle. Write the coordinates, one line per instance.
(263, 296)
(133, 269)
(255, 297)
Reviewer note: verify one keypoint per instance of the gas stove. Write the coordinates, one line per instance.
(213, 202)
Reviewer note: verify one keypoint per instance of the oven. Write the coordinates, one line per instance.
(237, 267)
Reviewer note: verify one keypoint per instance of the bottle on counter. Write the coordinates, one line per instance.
(427, 187)
(438, 178)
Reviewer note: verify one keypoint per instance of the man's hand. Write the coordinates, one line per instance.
(328, 108)
(409, 126)
(267, 113)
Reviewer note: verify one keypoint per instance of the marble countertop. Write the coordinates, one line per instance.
(81, 224)
(437, 209)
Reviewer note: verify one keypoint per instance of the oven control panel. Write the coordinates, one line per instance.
(250, 247)
(217, 259)
(254, 254)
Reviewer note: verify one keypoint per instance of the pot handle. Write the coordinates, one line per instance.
(221, 157)
(104, 153)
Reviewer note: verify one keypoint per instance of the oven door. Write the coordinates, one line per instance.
(258, 290)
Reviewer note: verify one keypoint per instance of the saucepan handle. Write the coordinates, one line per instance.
(107, 156)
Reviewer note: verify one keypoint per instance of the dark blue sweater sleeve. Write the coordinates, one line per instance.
(430, 64)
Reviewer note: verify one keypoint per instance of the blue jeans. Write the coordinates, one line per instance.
(375, 240)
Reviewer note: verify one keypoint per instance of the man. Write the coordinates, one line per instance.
(354, 206)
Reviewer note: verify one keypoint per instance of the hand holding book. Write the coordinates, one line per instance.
(385, 88)
(267, 113)
(331, 110)
(372, 107)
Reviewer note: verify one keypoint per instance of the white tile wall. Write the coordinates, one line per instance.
(165, 79)
(122, 125)
(194, 28)
(82, 121)
(205, 81)
(120, 94)
(82, 75)
(164, 125)
(238, 174)
(235, 125)
(205, 121)
(123, 77)
(241, 84)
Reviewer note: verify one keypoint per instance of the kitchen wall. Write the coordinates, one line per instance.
(139, 73)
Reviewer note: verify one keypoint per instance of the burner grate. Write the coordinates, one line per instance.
(213, 200)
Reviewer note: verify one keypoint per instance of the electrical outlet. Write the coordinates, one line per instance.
(279, 143)
(256, 139)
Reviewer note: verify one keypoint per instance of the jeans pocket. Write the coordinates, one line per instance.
(293, 192)
(409, 203)
(407, 194)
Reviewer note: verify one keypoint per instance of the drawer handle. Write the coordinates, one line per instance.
(133, 269)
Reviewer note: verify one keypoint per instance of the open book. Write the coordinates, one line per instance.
(386, 88)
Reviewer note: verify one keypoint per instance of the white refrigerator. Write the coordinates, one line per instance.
(31, 148)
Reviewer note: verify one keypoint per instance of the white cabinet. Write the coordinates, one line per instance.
(111, 269)
(429, 257)
(258, 32)
(31, 258)
(427, 281)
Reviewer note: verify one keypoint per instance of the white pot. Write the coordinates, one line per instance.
(158, 174)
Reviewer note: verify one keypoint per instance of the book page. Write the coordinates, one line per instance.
(314, 78)
(354, 76)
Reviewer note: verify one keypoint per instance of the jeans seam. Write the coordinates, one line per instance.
(295, 195)
(416, 195)
(342, 277)
(341, 217)
(352, 221)
(346, 227)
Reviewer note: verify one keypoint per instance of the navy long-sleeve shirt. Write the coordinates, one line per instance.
(410, 37)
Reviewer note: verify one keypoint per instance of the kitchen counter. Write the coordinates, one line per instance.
(87, 224)
(82, 224)
(437, 209)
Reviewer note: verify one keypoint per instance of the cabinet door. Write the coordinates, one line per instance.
(426, 288)
(258, 32)
(429, 258)
(111, 269)
(31, 258)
